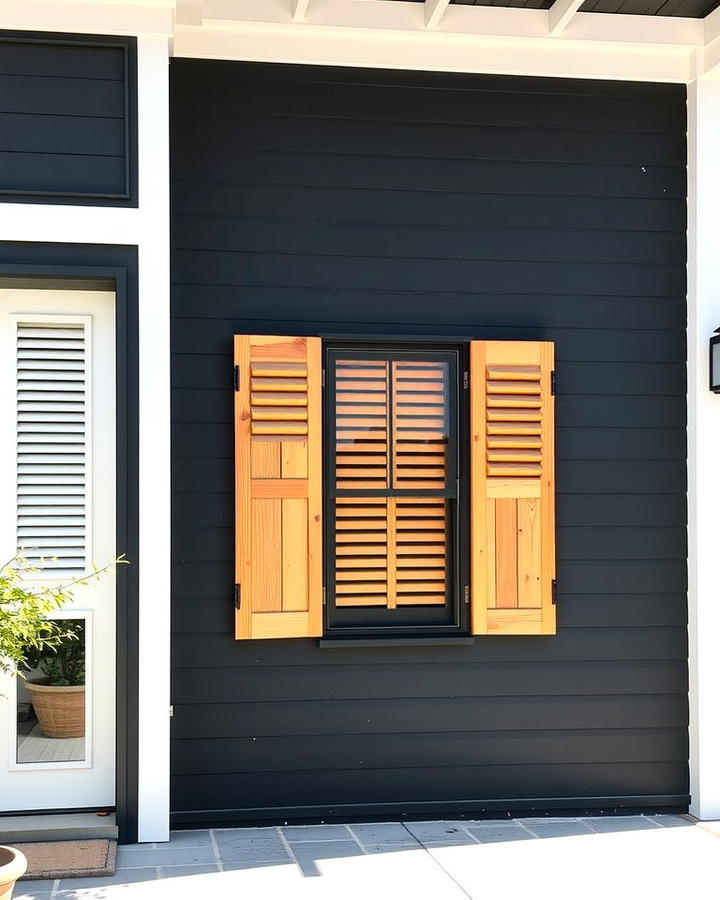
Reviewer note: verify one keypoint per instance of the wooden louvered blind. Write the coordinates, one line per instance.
(278, 475)
(512, 527)
(52, 450)
(392, 482)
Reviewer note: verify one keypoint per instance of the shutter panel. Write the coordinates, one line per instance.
(278, 487)
(513, 487)
(52, 443)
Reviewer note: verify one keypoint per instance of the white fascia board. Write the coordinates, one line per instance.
(560, 14)
(95, 17)
(432, 51)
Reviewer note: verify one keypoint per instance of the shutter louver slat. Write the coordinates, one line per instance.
(51, 445)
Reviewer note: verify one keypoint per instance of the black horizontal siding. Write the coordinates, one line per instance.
(317, 201)
(67, 109)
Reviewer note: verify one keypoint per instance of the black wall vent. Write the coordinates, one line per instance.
(68, 119)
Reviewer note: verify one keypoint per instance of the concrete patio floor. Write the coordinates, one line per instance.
(594, 858)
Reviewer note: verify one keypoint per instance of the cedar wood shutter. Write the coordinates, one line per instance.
(278, 487)
(278, 472)
(513, 487)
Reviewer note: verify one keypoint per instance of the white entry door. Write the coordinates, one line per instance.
(57, 503)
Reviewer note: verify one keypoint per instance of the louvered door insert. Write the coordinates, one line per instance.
(393, 483)
(52, 451)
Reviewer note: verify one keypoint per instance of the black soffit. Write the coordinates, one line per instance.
(689, 9)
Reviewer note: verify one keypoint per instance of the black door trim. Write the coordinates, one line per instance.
(116, 267)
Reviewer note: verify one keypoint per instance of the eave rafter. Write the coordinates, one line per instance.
(189, 12)
(560, 15)
(434, 11)
(299, 10)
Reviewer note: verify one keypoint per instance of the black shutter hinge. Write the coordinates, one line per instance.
(553, 382)
(236, 378)
(323, 378)
(466, 380)
(553, 591)
(236, 596)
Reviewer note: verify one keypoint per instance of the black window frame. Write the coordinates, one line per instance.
(410, 621)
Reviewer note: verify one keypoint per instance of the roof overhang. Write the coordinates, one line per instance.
(433, 35)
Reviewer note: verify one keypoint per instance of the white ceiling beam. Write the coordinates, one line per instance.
(434, 11)
(433, 51)
(189, 12)
(560, 14)
(711, 25)
(299, 10)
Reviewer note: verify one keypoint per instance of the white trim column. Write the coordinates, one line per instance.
(703, 444)
(154, 403)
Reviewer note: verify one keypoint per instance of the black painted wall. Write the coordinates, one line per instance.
(310, 200)
(67, 119)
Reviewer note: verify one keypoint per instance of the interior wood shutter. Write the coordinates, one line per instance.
(513, 487)
(278, 487)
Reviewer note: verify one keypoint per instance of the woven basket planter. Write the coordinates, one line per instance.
(60, 710)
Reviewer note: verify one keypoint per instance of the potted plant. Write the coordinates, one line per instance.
(13, 865)
(29, 639)
(58, 698)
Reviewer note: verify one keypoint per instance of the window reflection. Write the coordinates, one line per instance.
(51, 701)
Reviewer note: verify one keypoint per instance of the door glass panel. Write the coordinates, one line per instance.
(361, 424)
(51, 702)
(394, 482)
(420, 424)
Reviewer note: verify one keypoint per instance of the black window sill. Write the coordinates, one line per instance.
(336, 643)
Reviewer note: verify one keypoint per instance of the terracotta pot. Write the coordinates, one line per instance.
(12, 865)
(60, 710)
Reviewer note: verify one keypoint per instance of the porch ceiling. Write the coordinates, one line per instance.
(692, 9)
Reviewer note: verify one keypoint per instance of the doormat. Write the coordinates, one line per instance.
(69, 859)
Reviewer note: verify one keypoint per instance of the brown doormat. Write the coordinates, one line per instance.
(69, 859)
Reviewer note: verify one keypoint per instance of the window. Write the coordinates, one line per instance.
(429, 507)
(393, 511)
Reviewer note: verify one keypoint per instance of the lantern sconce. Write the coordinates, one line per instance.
(715, 362)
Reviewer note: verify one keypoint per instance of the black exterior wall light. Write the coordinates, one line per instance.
(715, 362)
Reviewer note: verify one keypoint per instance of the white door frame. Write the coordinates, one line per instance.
(89, 782)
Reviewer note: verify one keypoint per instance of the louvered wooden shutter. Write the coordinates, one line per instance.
(52, 442)
(513, 487)
(278, 484)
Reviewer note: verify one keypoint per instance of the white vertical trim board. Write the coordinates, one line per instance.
(154, 493)
(703, 446)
